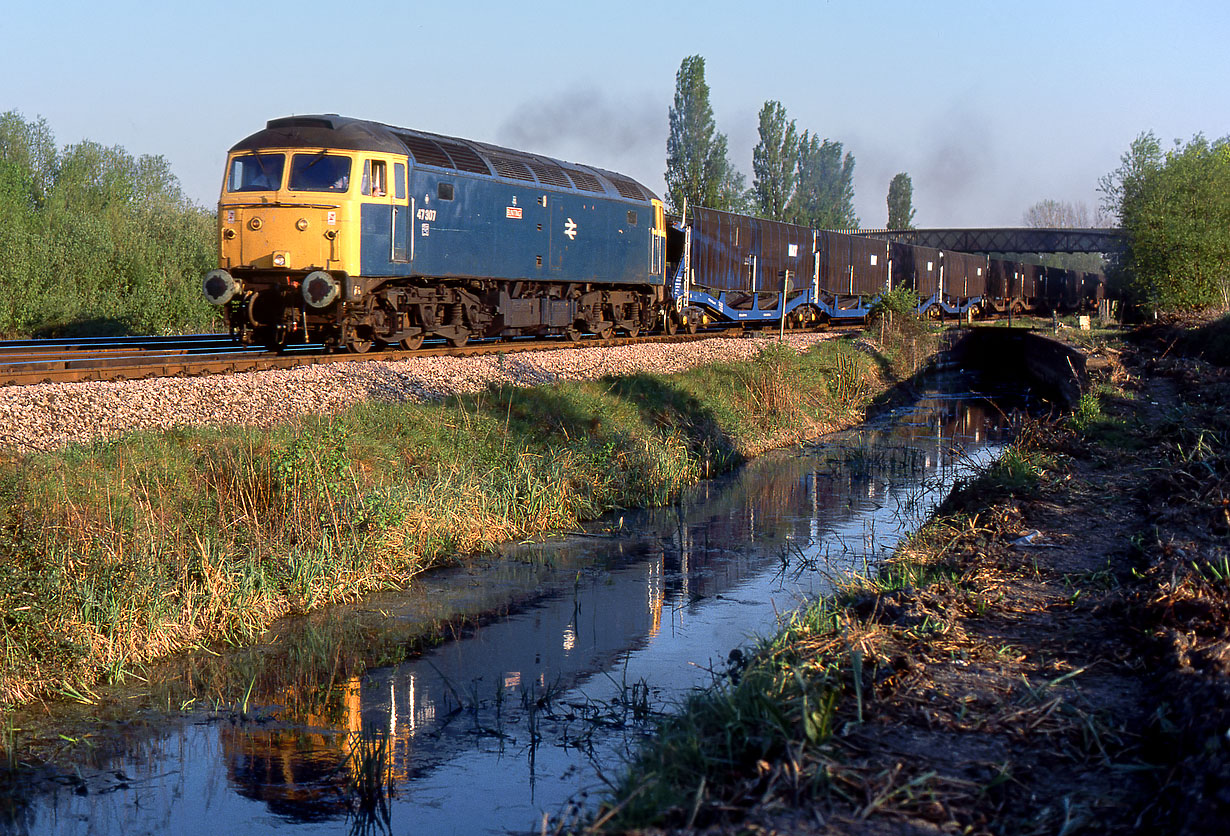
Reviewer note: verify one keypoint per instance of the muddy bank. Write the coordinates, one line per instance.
(1054, 369)
(1049, 655)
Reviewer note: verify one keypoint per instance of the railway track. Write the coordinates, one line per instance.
(27, 362)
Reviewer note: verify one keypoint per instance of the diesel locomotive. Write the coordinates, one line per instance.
(352, 233)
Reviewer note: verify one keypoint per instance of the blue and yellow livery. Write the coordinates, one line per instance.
(355, 233)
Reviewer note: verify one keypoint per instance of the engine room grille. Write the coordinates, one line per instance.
(506, 167)
(627, 188)
(464, 157)
(426, 151)
(550, 175)
(585, 181)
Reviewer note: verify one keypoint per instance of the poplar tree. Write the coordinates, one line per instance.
(774, 160)
(824, 189)
(901, 202)
(697, 168)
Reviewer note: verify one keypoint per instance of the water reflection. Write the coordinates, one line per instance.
(525, 712)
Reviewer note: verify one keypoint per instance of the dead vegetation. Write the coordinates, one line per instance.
(1052, 655)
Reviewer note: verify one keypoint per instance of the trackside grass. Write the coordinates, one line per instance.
(122, 551)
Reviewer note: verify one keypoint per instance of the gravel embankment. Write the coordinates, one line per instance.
(46, 416)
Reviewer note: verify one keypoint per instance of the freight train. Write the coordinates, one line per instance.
(345, 232)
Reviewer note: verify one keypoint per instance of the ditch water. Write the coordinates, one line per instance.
(526, 713)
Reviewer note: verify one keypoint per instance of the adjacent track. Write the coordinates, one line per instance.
(27, 362)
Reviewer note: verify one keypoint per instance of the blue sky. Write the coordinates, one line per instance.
(989, 107)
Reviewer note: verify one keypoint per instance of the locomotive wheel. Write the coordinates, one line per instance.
(412, 343)
(358, 346)
(672, 325)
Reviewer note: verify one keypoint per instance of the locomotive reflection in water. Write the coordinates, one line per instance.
(490, 730)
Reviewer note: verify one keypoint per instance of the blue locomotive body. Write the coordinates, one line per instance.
(463, 224)
(358, 233)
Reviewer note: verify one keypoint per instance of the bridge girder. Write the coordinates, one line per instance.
(1007, 240)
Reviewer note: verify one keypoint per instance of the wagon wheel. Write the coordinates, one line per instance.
(460, 339)
(412, 343)
(359, 346)
(573, 335)
(672, 324)
(634, 331)
(692, 325)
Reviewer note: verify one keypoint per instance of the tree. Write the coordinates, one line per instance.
(1056, 214)
(1175, 210)
(901, 202)
(94, 240)
(1060, 214)
(697, 169)
(773, 162)
(824, 189)
(1121, 188)
(31, 147)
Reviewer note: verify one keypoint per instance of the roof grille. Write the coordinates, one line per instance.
(426, 151)
(506, 167)
(550, 175)
(627, 188)
(585, 181)
(464, 157)
(300, 122)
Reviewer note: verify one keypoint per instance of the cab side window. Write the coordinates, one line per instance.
(375, 178)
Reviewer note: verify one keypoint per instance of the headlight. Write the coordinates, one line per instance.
(320, 289)
(220, 287)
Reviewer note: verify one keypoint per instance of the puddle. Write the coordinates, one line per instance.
(522, 714)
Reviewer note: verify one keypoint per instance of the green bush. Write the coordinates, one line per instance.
(94, 241)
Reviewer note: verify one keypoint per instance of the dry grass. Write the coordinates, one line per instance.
(1078, 681)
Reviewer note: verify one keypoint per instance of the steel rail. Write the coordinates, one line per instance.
(64, 366)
